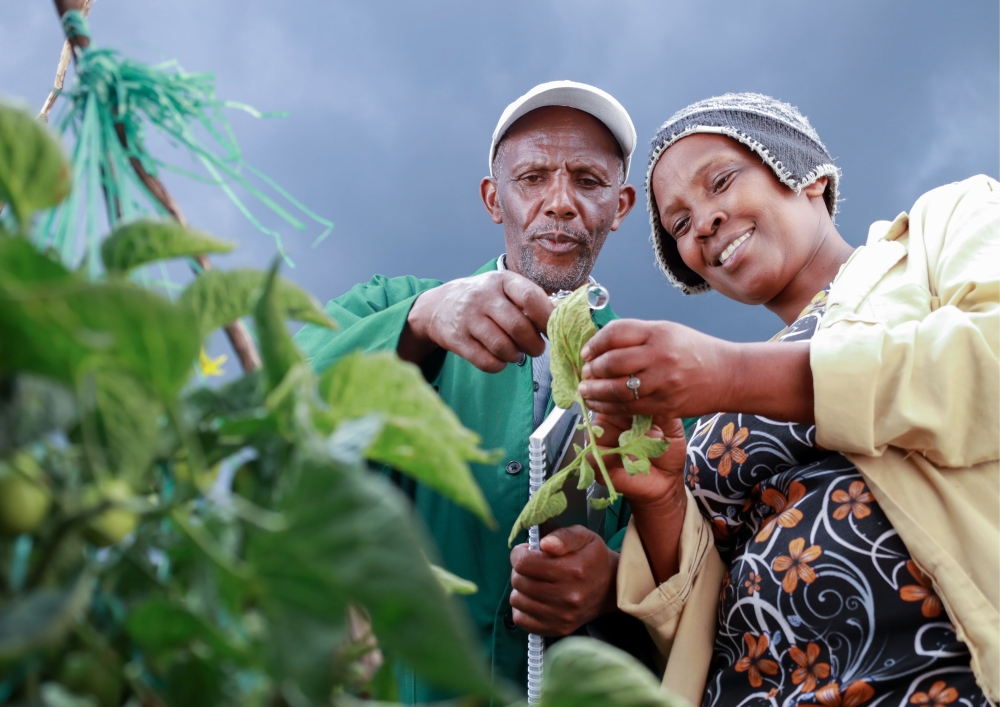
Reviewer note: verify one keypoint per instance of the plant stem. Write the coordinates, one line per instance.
(592, 445)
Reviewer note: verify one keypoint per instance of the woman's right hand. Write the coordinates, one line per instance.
(665, 480)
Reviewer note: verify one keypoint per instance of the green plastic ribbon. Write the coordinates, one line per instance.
(111, 94)
(75, 24)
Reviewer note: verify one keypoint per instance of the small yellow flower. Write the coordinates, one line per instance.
(211, 366)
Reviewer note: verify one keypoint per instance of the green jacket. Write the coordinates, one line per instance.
(498, 406)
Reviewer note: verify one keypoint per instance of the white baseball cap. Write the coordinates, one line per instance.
(571, 94)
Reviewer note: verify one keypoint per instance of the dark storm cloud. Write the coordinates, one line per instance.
(392, 106)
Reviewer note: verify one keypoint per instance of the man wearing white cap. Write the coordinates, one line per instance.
(558, 163)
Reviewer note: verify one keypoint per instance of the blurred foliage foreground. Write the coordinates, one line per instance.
(163, 543)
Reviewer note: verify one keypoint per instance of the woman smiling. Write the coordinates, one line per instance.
(833, 538)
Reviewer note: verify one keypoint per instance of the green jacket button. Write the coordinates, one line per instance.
(514, 467)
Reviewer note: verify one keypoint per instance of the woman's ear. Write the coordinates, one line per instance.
(817, 188)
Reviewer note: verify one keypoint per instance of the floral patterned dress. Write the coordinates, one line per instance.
(822, 604)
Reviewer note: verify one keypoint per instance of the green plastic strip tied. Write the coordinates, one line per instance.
(75, 24)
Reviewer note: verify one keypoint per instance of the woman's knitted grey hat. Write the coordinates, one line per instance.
(776, 131)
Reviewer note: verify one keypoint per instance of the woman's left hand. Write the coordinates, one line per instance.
(682, 372)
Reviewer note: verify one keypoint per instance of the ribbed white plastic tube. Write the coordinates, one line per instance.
(536, 646)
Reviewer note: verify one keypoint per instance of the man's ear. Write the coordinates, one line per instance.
(626, 200)
(817, 188)
(491, 198)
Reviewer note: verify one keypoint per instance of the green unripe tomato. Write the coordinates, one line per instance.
(24, 497)
(112, 525)
(86, 675)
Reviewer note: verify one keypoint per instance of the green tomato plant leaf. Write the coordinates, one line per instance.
(147, 241)
(42, 618)
(22, 265)
(635, 466)
(31, 406)
(634, 442)
(127, 417)
(583, 672)
(58, 331)
(547, 502)
(452, 583)
(34, 174)
(570, 327)
(219, 297)
(351, 538)
(420, 436)
(586, 471)
(277, 349)
(159, 625)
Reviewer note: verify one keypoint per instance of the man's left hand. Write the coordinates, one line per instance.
(566, 584)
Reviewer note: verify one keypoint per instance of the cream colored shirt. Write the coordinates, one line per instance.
(906, 371)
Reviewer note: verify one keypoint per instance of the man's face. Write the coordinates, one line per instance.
(557, 194)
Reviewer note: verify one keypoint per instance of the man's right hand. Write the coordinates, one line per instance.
(489, 320)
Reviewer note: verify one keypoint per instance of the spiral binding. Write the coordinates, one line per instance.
(536, 646)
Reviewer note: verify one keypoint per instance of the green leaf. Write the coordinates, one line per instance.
(159, 625)
(128, 416)
(42, 618)
(30, 407)
(641, 424)
(452, 583)
(586, 472)
(34, 173)
(352, 538)
(276, 346)
(22, 265)
(420, 436)
(634, 442)
(240, 397)
(147, 241)
(601, 503)
(219, 297)
(547, 502)
(57, 331)
(194, 681)
(583, 672)
(570, 327)
(637, 466)
(55, 695)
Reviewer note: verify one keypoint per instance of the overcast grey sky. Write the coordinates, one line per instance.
(392, 105)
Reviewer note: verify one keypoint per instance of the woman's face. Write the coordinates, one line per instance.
(735, 224)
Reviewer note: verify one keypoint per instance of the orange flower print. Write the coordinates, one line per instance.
(795, 564)
(752, 498)
(720, 529)
(753, 583)
(726, 581)
(728, 450)
(753, 664)
(937, 696)
(855, 500)
(784, 514)
(931, 607)
(809, 671)
(857, 693)
(692, 476)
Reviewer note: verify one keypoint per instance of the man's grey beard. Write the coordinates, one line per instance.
(553, 279)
